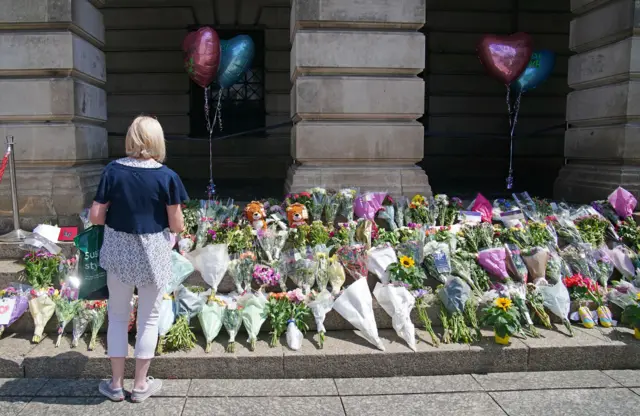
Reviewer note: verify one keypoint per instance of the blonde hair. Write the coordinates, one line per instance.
(145, 139)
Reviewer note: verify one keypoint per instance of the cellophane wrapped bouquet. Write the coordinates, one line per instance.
(241, 269)
(42, 309)
(81, 320)
(211, 317)
(254, 314)
(271, 242)
(14, 301)
(66, 309)
(299, 314)
(320, 304)
(98, 317)
(346, 197)
(166, 318)
(398, 302)
(454, 297)
(189, 303)
(232, 322)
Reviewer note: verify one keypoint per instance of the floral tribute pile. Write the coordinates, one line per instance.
(512, 265)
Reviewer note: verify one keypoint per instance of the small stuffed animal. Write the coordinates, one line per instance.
(297, 215)
(256, 215)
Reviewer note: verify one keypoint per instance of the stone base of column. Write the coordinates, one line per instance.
(54, 194)
(397, 180)
(589, 182)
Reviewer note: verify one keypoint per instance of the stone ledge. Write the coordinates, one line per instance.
(612, 143)
(586, 181)
(12, 251)
(607, 24)
(345, 355)
(350, 53)
(609, 104)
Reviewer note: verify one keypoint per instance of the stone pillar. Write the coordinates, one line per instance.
(52, 74)
(602, 147)
(356, 95)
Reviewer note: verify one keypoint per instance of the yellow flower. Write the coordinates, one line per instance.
(56, 292)
(407, 262)
(166, 296)
(638, 296)
(2, 292)
(503, 303)
(418, 200)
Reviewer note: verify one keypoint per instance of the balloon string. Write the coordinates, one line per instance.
(217, 118)
(513, 121)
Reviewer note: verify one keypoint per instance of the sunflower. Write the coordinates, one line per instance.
(638, 296)
(503, 303)
(407, 262)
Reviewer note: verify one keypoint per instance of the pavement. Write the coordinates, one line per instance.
(583, 393)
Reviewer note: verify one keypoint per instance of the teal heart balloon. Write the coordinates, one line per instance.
(235, 59)
(539, 69)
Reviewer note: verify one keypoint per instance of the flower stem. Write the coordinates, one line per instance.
(207, 349)
(231, 348)
(59, 340)
(426, 322)
(160, 347)
(274, 340)
(92, 343)
(321, 338)
(36, 339)
(567, 325)
(253, 344)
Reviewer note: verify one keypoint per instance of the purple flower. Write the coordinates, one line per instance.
(419, 293)
(212, 234)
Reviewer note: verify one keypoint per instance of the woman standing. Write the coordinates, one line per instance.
(138, 198)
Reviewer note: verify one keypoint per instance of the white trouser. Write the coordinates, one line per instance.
(120, 307)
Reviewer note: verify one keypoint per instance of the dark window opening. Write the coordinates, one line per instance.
(243, 106)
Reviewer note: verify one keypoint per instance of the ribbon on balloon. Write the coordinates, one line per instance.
(207, 57)
(512, 61)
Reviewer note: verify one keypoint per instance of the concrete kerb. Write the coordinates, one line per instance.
(345, 355)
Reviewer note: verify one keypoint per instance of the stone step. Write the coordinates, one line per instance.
(345, 355)
(12, 251)
(11, 271)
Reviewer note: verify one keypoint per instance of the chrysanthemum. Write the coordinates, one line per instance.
(407, 261)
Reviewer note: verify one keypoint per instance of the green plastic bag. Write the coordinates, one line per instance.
(92, 276)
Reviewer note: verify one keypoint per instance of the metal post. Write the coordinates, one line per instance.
(17, 235)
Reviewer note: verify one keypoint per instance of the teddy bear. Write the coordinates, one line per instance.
(297, 215)
(255, 213)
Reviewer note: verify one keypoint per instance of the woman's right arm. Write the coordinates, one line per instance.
(176, 219)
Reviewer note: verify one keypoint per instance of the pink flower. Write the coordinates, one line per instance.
(295, 296)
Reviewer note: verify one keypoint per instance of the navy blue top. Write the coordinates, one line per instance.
(139, 197)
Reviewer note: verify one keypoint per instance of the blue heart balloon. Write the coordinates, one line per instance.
(539, 69)
(235, 58)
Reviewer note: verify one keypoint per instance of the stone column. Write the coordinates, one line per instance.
(52, 73)
(356, 95)
(602, 147)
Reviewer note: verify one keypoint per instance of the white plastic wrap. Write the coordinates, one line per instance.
(556, 299)
(355, 305)
(212, 262)
(320, 307)
(294, 336)
(621, 260)
(166, 316)
(398, 303)
(379, 260)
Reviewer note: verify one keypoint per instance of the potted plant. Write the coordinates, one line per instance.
(504, 318)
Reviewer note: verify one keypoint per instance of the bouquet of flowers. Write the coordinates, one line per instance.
(401, 206)
(515, 264)
(317, 203)
(331, 207)
(42, 309)
(631, 316)
(133, 316)
(212, 262)
(14, 301)
(405, 271)
(585, 290)
(518, 294)
(483, 206)
(622, 258)
(379, 259)
(421, 211)
(210, 317)
(241, 269)
(623, 294)
(336, 273)
(396, 300)
(355, 306)
(623, 202)
(504, 319)
(629, 232)
(271, 241)
(42, 269)
(321, 256)
(388, 212)
(437, 261)
(493, 260)
(424, 299)
(304, 271)
(368, 204)
(447, 209)
(320, 304)
(536, 259)
(81, 321)
(265, 276)
(347, 198)
(253, 313)
(593, 229)
(454, 296)
(166, 317)
(556, 267)
(474, 238)
(232, 322)
(354, 260)
(98, 317)
(278, 314)
(65, 310)
(189, 303)
(181, 269)
(556, 299)
(299, 313)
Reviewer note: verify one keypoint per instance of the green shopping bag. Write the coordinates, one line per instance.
(92, 276)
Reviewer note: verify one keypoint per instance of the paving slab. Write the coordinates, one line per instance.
(263, 388)
(584, 351)
(21, 387)
(636, 391)
(406, 385)
(487, 356)
(70, 388)
(62, 406)
(545, 380)
(628, 378)
(154, 406)
(456, 404)
(13, 349)
(10, 406)
(583, 402)
(264, 406)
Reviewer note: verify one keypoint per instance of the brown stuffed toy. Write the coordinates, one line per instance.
(297, 215)
(256, 215)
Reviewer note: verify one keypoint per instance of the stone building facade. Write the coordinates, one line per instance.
(362, 81)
